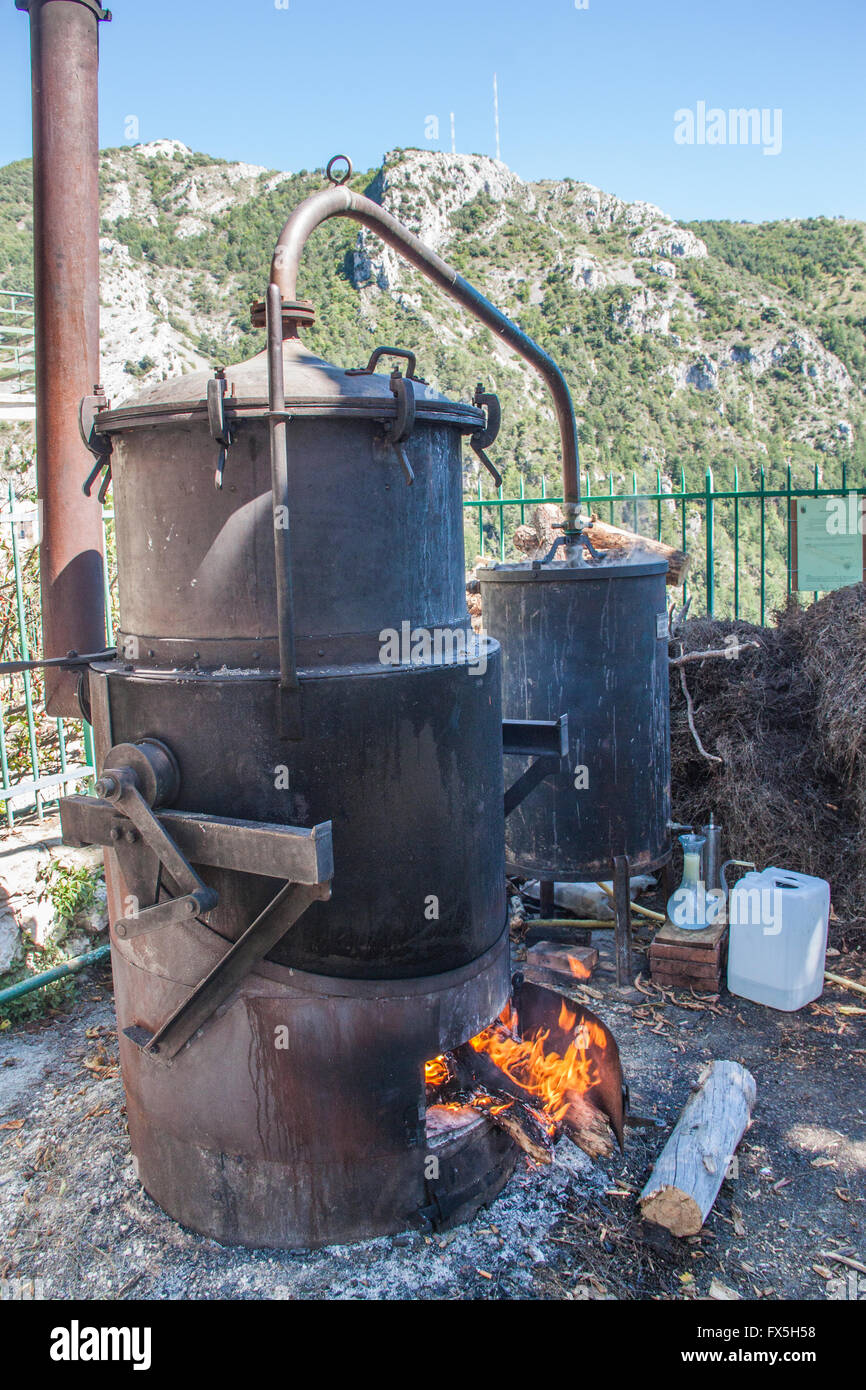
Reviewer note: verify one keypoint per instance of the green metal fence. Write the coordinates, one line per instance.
(17, 352)
(722, 581)
(737, 570)
(40, 757)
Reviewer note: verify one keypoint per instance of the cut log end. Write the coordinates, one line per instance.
(676, 1211)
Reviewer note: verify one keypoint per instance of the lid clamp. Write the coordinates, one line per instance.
(482, 439)
(398, 430)
(219, 426)
(99, 445)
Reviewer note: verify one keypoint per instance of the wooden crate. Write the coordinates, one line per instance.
(689, 959)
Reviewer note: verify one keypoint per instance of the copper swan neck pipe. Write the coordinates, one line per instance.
(340, 201)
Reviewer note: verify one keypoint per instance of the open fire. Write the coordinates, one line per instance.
(544, 1068)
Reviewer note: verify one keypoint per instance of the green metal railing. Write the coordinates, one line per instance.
(17, 351)
(41, 757)
(686, 518)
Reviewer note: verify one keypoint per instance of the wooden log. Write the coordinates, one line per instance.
(689, 1171)
(532, 1131)
(587, 1127)
(607, 537)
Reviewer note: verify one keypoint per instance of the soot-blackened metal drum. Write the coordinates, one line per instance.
(589, 641)
(349, 822)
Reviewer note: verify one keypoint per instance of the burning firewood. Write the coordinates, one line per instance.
(587, 1127)
(532, 1131)
(497, 1070)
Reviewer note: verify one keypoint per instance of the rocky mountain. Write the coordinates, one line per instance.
(714, 344)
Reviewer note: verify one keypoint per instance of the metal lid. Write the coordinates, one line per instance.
(313, 387)
(524, 572)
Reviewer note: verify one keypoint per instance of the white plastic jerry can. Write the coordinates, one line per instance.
(778, 938)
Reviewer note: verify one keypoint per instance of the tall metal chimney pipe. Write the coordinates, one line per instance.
(64, 47)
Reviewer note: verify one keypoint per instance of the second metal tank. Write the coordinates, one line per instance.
(589, 640)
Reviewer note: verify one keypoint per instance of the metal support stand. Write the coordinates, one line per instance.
(545, 898)
(668, 879)
(621, 894)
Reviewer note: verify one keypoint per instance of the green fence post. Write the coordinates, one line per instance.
(788, 589)
(683, 519)
(710, 518)
(763, 545)
(89, 750)
(24, 654)
(658, 504)
(4, 763)
(501, 525)
(815, 591)
(736, 541)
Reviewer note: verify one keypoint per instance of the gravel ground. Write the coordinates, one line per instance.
(73, 1215)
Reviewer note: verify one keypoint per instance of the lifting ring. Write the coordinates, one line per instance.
(331, 162)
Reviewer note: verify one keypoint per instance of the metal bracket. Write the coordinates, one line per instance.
(545, 741)
(229, 972)
(569, 538)
(150, 765)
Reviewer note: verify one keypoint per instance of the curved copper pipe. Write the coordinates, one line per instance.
(340, 201)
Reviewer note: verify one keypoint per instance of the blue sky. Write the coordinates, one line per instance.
(588, 92)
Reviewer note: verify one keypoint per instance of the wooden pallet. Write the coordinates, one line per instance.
(689, 959)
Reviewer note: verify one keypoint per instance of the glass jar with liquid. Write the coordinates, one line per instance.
(687, 905)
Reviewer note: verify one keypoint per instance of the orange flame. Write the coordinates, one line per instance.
(578, 969)
(544, 1075)
(436, 1072)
